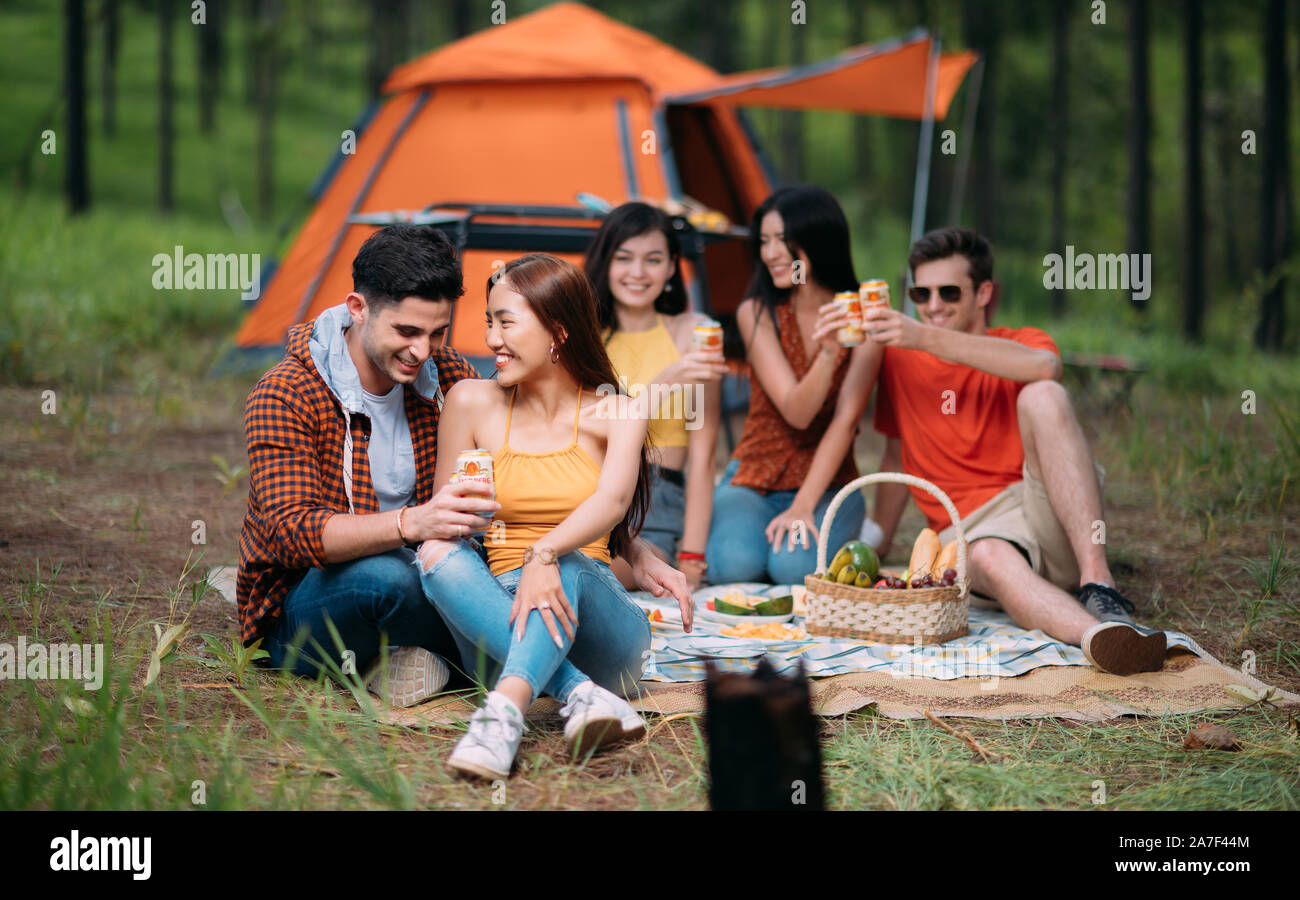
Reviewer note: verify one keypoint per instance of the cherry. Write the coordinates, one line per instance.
(950, 574)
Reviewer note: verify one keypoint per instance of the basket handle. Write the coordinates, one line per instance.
(898, 478)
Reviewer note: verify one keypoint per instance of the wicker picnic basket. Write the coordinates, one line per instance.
(902, 616)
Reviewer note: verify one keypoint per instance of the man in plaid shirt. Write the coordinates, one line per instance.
(342, 445)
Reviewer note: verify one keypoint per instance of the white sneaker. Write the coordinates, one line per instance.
(414, 675)
(596, 717)
(871, 533)
(488, 748)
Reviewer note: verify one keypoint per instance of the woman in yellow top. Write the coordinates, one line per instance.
(641, 302)
(571, 476)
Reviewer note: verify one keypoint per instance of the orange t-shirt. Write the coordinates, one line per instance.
(966, 442)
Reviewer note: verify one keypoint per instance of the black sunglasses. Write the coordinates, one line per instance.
(948, 293)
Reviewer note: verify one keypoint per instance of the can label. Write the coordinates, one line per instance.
(476, 466)
(850, 305)
(708, 337)
(874, 293)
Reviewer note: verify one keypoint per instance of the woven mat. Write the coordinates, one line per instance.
(1189, 682)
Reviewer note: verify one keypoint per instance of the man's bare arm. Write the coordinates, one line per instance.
(891, 498)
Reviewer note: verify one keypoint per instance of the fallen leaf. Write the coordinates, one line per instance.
(78, 705)
(1242, 693)
(1211, 737)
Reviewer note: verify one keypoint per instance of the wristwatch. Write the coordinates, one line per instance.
(546, 556)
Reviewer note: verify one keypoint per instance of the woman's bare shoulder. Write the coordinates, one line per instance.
(476, 393)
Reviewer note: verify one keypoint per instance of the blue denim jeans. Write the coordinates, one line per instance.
(738, 547)
(610, 642)
(372, 600)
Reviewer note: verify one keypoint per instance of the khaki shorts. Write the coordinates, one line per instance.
(1022, 515)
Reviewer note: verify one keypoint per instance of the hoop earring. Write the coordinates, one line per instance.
(555, 355)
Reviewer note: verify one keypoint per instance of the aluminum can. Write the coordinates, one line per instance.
(708, 337)
(850, 304)
(874, 293)
(475, 465)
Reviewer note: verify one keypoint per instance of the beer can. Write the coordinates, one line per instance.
(476, 466)
(850, 304)
(874, 293)
(708, 337)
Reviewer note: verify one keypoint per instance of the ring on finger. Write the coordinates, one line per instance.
(543, 606)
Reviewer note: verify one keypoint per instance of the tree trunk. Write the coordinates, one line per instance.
(862, 159)
(1139, 135)
(253, 40)
(209, 36)
(76, 175)
(268, 13)
(1227, 152)
(108, 66)
(719, 20)
(1275, 206)
(460, 18)
(1194, 257)
(1060, 137)
(792, 121)
(981, 31)
(166, 12)
(389, 39)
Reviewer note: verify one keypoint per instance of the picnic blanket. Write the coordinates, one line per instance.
(999, 671)
(995, 648)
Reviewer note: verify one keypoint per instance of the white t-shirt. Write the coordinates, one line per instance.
(392, 457)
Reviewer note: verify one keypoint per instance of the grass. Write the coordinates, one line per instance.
(246, 738)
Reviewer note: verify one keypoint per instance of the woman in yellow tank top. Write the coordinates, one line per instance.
(571, 476)
(641, 301)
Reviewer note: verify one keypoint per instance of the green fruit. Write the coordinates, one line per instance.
(776, 606)
(731, 609)
(847, 575)
(864, 559)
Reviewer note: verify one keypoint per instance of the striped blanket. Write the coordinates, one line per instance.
(995, 648)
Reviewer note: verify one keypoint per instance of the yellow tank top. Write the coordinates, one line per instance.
(538, 491)
(638, 356)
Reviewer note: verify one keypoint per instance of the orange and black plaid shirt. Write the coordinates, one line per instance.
(294, 426)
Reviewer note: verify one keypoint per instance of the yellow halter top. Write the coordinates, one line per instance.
(637, 357)
(538, 491)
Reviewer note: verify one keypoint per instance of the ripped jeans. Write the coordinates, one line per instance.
(610, 645)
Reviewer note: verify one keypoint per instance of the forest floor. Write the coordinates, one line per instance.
(116, 504)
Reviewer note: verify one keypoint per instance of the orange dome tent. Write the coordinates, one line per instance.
(495, 137)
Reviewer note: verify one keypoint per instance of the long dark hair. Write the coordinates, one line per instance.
(562, 299)
(815, 224)
(622, 224)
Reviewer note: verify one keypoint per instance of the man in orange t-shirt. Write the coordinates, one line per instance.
(980, 412)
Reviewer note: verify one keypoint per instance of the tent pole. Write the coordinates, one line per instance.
(968, 130)
(921, 189)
